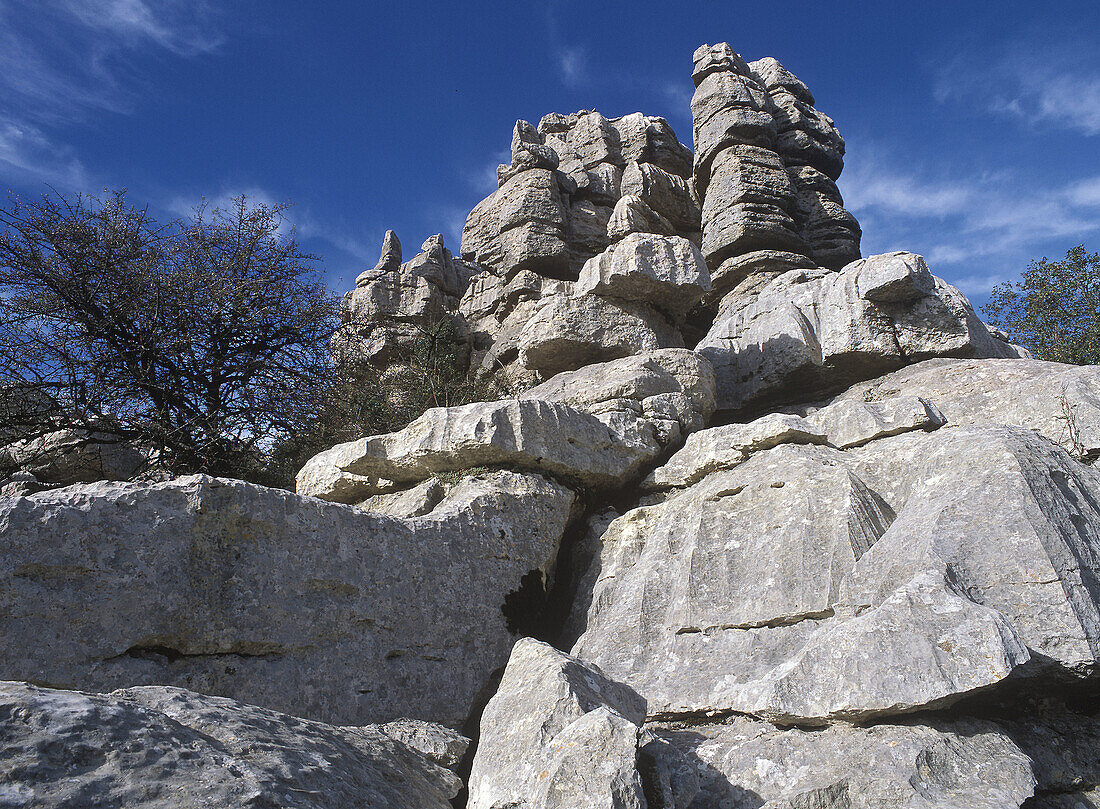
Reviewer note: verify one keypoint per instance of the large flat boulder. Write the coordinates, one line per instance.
(723, 597)
(666, 272)
(526, 434)
(596, 426)
(1011, 519)
(142, 748)
(1060, 401)
(303, 606)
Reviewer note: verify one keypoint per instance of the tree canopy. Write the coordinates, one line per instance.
(202, 340)
(1054, 309)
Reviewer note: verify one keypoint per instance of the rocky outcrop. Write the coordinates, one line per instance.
(555, 200)
(157, 747)
(1062, 402)
(808, 333)
(393, 305)
(745, 764)
(666, 272)
(64, 457)
(814, 535)
(312, 608)
(557, 734)
(597, 427)
(630, 299)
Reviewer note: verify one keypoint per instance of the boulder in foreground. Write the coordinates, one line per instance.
(154, 747)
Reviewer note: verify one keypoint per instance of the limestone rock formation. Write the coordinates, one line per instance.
(597, 427)
(157, 747)
(555, 200)
(808, 333)
(1062, 402)
(745, 764)
(395, 304)
(557, 734)
(64, 457)
(765, 167)
(793, 528)
(312, 608)
(667, 272)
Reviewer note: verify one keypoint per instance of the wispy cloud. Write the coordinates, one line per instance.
(1054, 89)
(482, 177)
(25, 151)
(185, 27)
(978, 230)
(62, 62)
(572, 66)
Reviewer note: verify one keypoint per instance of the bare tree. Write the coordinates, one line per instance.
(204, 340)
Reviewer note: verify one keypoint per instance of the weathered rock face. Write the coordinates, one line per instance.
(555, 200)
(159, 747)
(308, 607)
(1060, 401)
(395, 304)
(765, 166)
(926, 565)
(763, 636)
(630, 299)
(746, 764)
(667, 272)
(65, 457)
(557, 734)
(807, 333)
(597, 426)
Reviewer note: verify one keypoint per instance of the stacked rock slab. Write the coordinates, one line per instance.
(794, 336)
(551, 211)
(765, 168)
(316, 609)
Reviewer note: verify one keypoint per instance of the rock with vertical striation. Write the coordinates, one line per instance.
(557, 734)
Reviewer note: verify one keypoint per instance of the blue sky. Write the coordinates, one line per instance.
(973, 129)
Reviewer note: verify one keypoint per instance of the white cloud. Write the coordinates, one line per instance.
(572, 66)
(184, 27)
(871, 186)
(27, 151)
(1051, 89)
(1086, 193)
(978, 230)
(64, 61)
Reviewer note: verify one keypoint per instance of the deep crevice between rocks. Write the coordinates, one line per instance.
(157, 652)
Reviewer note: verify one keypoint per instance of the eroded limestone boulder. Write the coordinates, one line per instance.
(744, 764)
(666, 272)
(723, 597)
(289, 602)
(596, 426)
(811, 332)
(1062, 402)
(557, 734)
(157, 747)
